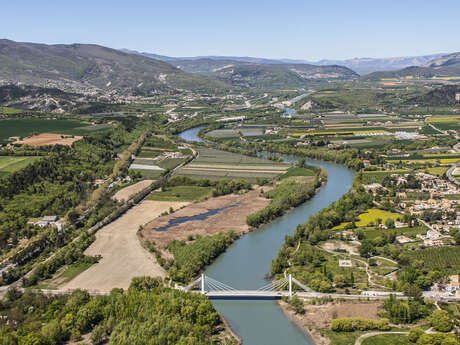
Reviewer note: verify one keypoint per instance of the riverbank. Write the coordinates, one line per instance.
(245, 264)
(229, 329)
(318, 317)
(211, 217)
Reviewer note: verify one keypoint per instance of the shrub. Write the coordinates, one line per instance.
(414, 334)
(441, 321)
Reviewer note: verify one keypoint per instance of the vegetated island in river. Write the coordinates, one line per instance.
(191, 238)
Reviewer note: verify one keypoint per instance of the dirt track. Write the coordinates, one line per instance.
(122, 254)
(233, 218)
(126, 193)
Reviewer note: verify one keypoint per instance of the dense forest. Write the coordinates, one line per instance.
(61, 183)
(146, 314)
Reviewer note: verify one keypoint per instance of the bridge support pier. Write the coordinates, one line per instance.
(202, 284)
(290, 285)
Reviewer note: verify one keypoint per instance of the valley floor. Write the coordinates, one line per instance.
(123, 257)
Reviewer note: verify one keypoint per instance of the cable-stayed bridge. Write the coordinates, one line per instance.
(287, 286)
(215, 289)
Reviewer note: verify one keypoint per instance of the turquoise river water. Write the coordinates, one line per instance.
(244, 265)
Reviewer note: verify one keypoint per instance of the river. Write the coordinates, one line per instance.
(244, 265)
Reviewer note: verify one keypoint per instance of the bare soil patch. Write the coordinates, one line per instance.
(335, 245)
(318, 317)
(127, 192)
(233, 218)
(123, 257)
(48, 139)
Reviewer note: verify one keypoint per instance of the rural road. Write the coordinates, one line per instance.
(373, 334)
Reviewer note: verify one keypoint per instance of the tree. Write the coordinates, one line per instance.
(457, 238)
(366, 249)
(98, 335)
(440, 320)
(297, 305)
(390, 223)
(414, 334)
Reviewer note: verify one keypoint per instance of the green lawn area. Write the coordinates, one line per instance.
(27, 127)
(171, 163)
(342, 338)
(9, 164)
(181, 193)
(296, 171)
(371, 216)
(73, 270)
(387, 339)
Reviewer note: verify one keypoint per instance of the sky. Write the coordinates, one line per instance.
(309, 30)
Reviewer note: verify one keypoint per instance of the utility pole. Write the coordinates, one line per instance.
(202, 284)
(290, 285)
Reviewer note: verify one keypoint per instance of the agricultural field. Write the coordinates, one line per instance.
(409, 232)
(28, 127)
(216, 164)
(230, 133)
(371, 216)
(444, 259)
(10, 111)
(159, 154)
(181, 193)
(9, 164)
(296, 171)
(369, 177)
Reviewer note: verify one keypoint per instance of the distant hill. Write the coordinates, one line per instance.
(368, 65)
(53, 100)
(80, 67)
(281, 75)
(440, 97)
(360, 65)
(42, 99)
(259, 73)
(445, 61)
(445, 66)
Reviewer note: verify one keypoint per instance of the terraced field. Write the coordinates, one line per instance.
(216, 164)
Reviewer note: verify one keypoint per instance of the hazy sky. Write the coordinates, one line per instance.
(305, 29)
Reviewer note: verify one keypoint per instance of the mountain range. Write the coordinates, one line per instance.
(87, 67)
(444, 66)
(362, 66)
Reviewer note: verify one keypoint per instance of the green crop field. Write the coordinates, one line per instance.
(410, 232)
(9, 164)
(444, 259)
(10, 111)
(171, 163)
(27, 127)
(369, 177)
(295, 171)
(215, 164)
(181, 193)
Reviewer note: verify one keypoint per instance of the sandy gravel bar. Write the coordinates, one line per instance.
(233, 218)
(127, 192)
(123, 257)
